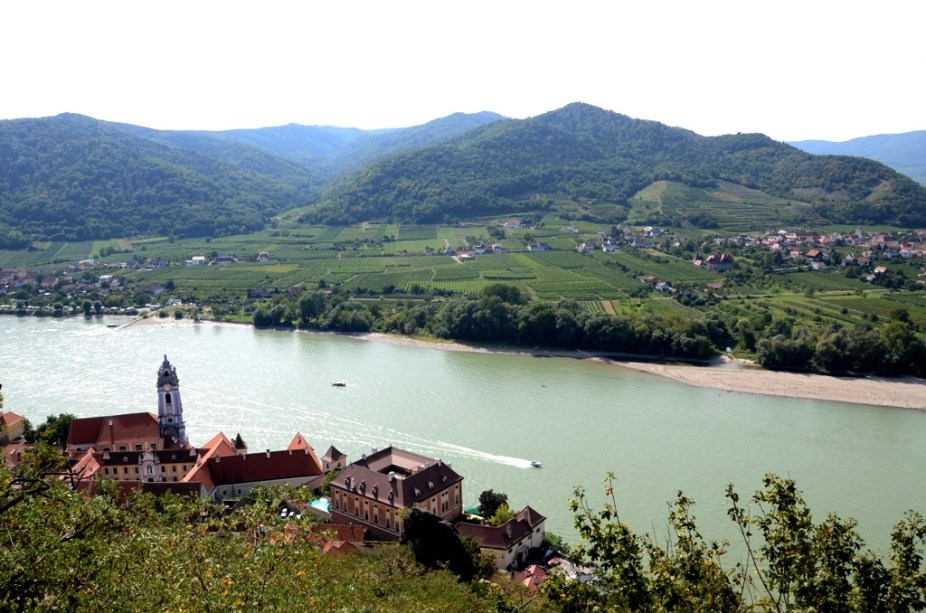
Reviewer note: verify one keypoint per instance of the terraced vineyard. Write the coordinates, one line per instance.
(731, 207)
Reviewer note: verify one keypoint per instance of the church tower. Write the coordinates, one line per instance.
(170, 409)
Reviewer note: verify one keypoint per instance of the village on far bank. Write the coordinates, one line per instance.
(63, 288)
(355, 504)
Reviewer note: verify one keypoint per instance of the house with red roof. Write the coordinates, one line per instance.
(375, 490)
(531, 577)
(12, 426)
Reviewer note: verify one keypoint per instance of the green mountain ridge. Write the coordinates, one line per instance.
(72, 177)
(588, 154)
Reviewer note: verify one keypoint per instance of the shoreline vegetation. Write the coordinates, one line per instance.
(724, 374)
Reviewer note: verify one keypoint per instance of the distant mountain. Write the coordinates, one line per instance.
(325, 150)
(905, 153)
(72, 177)
(371, 145)
(590, 155)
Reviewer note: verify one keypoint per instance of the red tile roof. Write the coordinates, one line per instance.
(110, 430)
(531, 577)
(267, 466)
(8, 419)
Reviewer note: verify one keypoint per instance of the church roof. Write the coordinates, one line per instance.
(218, 446)
(112, 429)
(268, 466)
(167, 374)
(299, 442)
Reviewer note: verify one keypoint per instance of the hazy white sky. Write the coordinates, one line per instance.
(793, 70)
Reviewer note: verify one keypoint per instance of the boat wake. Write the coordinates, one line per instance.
(489, 457)
(365, 434)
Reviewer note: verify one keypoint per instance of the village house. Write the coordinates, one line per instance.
(12, 426)
(196, 260)
(586, 247)
(531, 577)
(510, 542)
(375, 490)
(719, 262)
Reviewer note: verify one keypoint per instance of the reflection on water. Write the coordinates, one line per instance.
(488, 415)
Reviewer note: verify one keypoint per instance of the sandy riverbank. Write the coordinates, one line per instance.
(903, 392)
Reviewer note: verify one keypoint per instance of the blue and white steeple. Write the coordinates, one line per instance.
(170, 408)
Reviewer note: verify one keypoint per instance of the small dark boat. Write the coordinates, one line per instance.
(535, 464)
(338, 384)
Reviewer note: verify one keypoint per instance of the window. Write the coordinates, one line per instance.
(123, 448)
(105, 471)
(125, 470)
(139, 447)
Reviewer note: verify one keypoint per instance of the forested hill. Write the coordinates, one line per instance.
(589, 154)
(905, 153)
(73, 177)
(326, 150)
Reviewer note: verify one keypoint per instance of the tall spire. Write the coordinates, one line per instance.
(170, 408)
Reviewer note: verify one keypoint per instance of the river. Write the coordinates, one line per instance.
(488, 415)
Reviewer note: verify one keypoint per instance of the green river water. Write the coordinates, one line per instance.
(488, 415)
